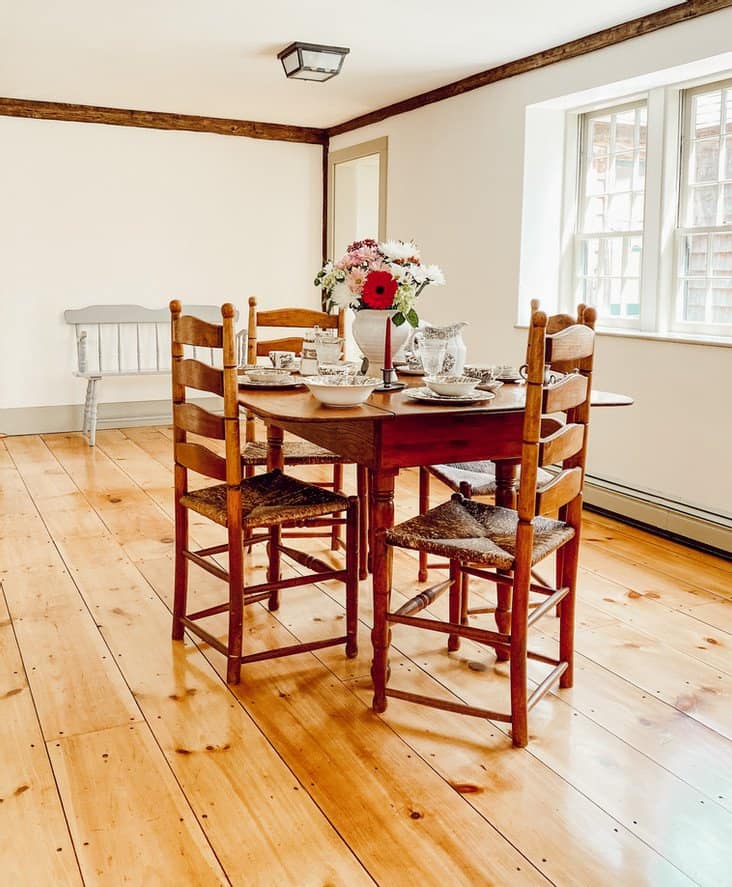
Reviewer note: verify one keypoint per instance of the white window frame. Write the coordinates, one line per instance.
(581, 237)
(677, 324)
(665, 178)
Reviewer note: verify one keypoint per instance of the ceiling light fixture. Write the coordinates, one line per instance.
(310, 61)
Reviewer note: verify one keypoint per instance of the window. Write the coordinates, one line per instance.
(652, 238)
(704, 235)
(609, 241)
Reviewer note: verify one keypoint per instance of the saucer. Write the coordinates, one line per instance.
(426, 395)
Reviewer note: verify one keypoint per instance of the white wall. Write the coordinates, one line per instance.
(100, 214)
(455, 185)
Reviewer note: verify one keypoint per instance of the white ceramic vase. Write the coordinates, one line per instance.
(369, 331)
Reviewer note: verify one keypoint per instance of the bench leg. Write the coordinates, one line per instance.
(93, 414)
(87, 402)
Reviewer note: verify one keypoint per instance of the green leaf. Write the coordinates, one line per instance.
(413, 318)
(398, 319)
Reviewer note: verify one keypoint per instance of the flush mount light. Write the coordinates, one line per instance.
(310, 61)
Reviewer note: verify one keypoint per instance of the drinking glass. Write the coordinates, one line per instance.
(432, 353)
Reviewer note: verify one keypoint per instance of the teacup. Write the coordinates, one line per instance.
(282, 360)
(550, 377)
(507, 372)
(328, 350)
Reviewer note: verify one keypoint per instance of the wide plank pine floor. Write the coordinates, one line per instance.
(126, 758)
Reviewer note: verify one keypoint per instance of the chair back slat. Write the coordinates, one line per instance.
(562, 444)
(291, 343)
(199, 333)
(570, 344)
(193, 418)
(195, 374)
(567, 393)
(559, 491)
(285, 319)
(191, 373)
(562, 436)
(304, 318)
(198, 458)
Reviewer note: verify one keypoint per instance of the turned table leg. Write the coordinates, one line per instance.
(382, 517)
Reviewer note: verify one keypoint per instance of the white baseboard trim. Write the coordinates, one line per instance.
(68, 417)
(669, 518)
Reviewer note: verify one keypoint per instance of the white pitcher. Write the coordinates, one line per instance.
(452, 335)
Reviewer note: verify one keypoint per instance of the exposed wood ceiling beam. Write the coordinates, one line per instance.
(160, 120)
(600, 40)
(15, 107)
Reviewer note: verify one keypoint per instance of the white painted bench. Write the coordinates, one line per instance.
(125, 340)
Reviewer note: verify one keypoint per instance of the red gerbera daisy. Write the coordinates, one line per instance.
(378, 289)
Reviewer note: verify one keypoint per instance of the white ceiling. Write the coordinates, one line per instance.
(219, 58)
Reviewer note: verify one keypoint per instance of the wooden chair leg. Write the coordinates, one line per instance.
(502, 614)
(273, 569)
(352, 563)
(519, 632)
(362, 489)
(236, 604)
(335, 533)
(456, 604)
(424, 507)
(180, 593)
(570, 563)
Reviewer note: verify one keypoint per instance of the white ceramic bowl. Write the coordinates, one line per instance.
(451, 385)
(268, 374)
(341, 390)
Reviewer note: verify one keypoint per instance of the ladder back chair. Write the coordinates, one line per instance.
(270, 501)
(502, 545)
(299, 452)
(479, 478)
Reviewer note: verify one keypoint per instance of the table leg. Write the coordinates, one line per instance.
(275, 459)
(506, 495)
(382, 517)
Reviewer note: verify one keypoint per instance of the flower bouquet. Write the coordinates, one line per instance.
(379, 276)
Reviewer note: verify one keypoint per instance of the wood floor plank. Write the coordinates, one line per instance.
(706, 575)
(35, 844)
(682, 629)
(129, 819)
(596, 762)
(696, 689)
(634, 783)
(432, 842)
(226, 767)
(666, 545)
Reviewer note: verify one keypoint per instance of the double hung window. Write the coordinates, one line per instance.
(653, 228)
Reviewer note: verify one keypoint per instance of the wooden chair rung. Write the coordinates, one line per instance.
(549, 681)
(204, 635)
(423, 599)
(446, 705)
(214, 549)
(479, 635)
(306, 560)
(547, 604)
(209, 567)
(293, 649)
(540, 657)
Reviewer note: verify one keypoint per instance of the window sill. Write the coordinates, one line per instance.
(678, 338)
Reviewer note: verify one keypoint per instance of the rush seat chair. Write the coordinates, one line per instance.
(267, 502)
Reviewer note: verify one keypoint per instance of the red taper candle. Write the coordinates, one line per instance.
(387, 345)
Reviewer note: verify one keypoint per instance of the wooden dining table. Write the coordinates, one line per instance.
(389, 432)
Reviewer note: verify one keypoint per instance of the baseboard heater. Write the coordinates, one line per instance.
(699, 527)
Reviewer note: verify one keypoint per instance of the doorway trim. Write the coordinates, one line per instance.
(353, 152)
